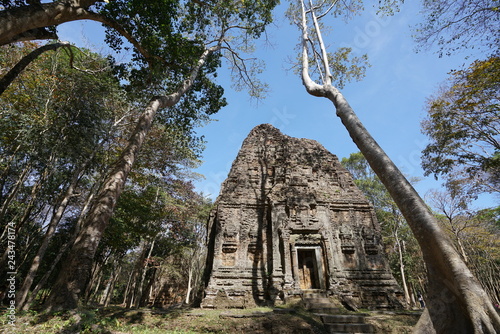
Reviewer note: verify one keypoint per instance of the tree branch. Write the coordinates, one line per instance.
(33, 34)
(172, 99)
(122, 31)
(312, 87)
(324, 56)
(17, 21)
(30, 22)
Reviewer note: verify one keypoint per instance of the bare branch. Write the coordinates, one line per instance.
(72, 63)
(242, 71)
(324, 56)
(311, 87)
(328, 9)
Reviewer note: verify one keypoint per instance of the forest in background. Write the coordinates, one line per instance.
(61, 128)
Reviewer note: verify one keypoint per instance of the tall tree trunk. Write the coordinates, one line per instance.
(111, 286)
(456, 301)
(94, 284)
(73, 278)
(94, 288)
(127, 291)
(133, 297)
(460, 246)
(412, 294)
(46, 276)
(144, 270)
(402, 267)
(148, 292)
(189, 287)
(43, 280)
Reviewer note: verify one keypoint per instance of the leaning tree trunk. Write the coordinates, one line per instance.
(73, 278)
(108, 291)
(456, 301)
(143, 271)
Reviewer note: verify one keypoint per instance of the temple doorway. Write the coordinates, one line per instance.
(308, 269)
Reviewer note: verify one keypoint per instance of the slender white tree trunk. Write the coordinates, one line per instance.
(402, 268)
(189, 287)
(144, 270)
(109, 294)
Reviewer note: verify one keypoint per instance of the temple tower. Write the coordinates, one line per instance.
(289, 218)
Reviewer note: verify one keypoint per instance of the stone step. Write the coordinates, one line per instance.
(316, 300)
(342, 318)
(314, 295)
(350, 328)
(325, 310)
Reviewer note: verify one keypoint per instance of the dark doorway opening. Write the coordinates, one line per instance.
(308, 269)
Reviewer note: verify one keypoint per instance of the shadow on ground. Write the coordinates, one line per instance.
(184, 320)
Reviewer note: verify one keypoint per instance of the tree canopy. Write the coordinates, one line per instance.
(463, 125)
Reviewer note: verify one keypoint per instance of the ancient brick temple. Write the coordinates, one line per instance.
(289, 218)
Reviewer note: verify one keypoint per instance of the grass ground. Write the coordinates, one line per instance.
(116, 320)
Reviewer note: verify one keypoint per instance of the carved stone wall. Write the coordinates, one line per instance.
(289, 218)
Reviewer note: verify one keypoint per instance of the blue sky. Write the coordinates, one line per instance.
(389, 100)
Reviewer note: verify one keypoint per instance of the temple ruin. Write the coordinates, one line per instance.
(290, 219)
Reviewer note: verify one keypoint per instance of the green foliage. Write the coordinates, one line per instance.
(47, 125)
(175, 33)
(45, 109)
(492, 216)
(55, 122)
(463, 125)
(346, 68)
(367, 181)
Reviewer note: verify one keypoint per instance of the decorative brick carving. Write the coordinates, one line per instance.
(289, 218)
